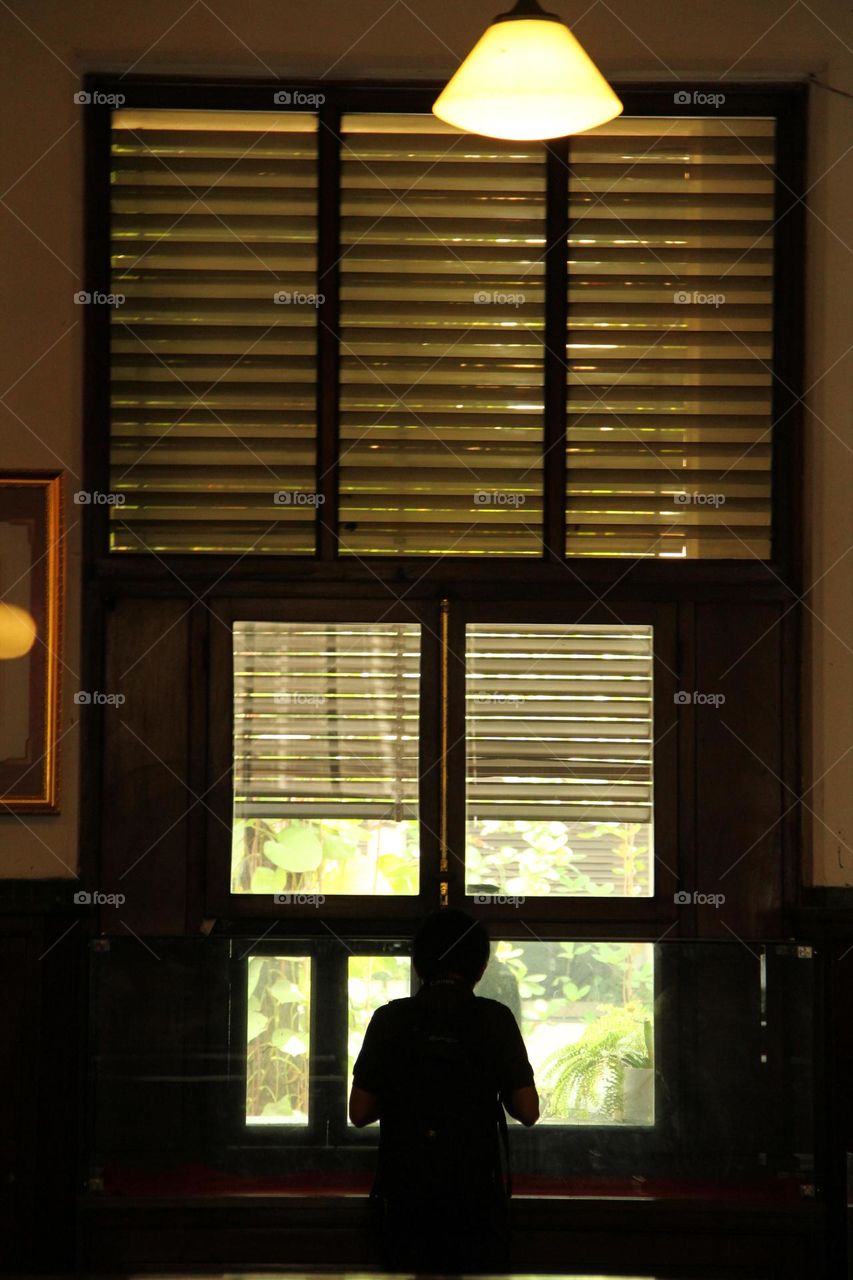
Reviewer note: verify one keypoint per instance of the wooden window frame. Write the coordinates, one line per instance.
(328, 1122)
(325, 586)
(658, 911)
(784, 102)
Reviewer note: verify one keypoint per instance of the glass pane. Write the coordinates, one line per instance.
(278, 1039)
(669, 351)
(213, 350)
(442, 329)
(586, 1011)
(559, 769)
(734, 1081)
(372, 981)
(325, 759)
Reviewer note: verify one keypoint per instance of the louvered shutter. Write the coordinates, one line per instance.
(559, 721)
(213, 382)
(326, 720)
(669, 428)
(442, 313)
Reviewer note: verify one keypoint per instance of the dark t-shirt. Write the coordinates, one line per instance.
(439, 1061)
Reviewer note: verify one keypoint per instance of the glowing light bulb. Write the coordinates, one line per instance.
(17, 631)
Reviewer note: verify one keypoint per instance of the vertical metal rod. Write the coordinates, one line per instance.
(444, 861)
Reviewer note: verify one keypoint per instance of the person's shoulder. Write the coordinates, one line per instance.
(494, 1010)
(394, 1009)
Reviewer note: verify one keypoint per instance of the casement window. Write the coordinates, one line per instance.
(326, 734)
(334, 742)
(358, 333)
(574, 1002)
(335, 732)
(278, 1039)
(559, 742)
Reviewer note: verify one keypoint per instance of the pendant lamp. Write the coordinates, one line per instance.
(527, 78)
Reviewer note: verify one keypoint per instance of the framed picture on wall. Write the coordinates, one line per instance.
(31, 598)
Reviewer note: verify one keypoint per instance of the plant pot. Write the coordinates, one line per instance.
(638, 1099)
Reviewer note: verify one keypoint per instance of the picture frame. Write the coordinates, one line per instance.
(32, 578)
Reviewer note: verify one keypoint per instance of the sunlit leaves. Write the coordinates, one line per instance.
(373, 981)
(580, 1002)
(296, 848)
(558, 859)
(284, 991)
(325, 855)
(268, 880)
(278, 1039)
(258, 1022)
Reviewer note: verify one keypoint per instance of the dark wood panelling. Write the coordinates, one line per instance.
(146, 799)
(17, 1101)
(834, 1103)
(201, 620)
(685, 1240)
(41, 965)
(740, 797)
(55, 1058)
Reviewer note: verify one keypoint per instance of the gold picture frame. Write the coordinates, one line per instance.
(32, 577)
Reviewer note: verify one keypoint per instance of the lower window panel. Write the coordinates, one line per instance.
(664, 1068)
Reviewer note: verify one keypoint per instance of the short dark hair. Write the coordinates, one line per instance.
(449, 942)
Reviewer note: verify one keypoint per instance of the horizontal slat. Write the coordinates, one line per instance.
(558, 715)
(326, 719)
(442, 277)
(213, 382)
(670, 258)
(673, 239)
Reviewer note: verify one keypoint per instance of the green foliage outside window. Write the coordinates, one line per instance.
(324, 855)
(278, 1039)
(381, 857)
(560, 859)
(586, 1011)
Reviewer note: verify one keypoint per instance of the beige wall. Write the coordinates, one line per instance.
(53, 42)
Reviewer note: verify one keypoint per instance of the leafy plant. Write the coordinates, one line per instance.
(589, 1075)
(324, 855)
(545, 858)
(373, 981)
(277, 1039)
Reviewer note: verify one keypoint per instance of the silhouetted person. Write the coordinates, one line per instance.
(434, 1069)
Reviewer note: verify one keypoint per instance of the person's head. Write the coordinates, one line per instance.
(451, 944)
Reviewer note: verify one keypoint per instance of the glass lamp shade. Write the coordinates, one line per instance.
(17, 631)
(527, 78)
